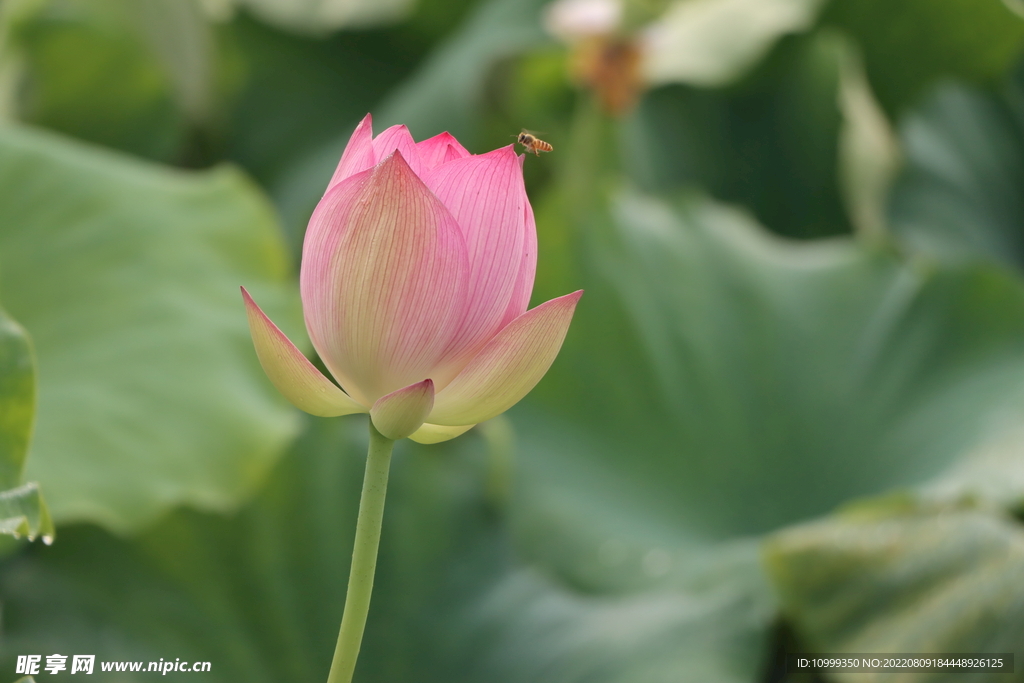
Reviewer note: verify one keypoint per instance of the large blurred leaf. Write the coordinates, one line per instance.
(930, 570)
(719, 382)
(713, 42)
(137, 75)
(260, 595)
(893, 577)
(770, 142)
(127, 277)
(990, 475)
(960, 195)
(908, 45)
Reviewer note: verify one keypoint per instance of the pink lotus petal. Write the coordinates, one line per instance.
(527, 270)
(398, 138)
(508, 367)
(384, 277)
(453, 153)
(358, 155)
(486, 195)
(293, 375)
(431, 433)
(402, 412)
(440, 149)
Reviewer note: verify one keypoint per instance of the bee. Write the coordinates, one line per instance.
(531, 143)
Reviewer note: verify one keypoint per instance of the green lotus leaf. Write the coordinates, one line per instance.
(887, 577)
(126, 275)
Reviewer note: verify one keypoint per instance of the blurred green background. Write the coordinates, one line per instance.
(788, 417)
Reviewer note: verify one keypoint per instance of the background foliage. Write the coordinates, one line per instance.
(789, 415)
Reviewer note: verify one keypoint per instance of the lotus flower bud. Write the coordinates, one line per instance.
(417, 269)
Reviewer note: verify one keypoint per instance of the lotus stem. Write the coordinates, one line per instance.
(364, 558)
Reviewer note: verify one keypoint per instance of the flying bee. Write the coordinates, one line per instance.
(531, 143)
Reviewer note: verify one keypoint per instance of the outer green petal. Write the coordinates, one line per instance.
(508, 367)
(402, 412)
(431, 433)
(291, 372)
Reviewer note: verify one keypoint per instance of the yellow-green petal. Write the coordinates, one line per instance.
(400, 413)
(508, 367)
(291, 372)
(431, 433)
